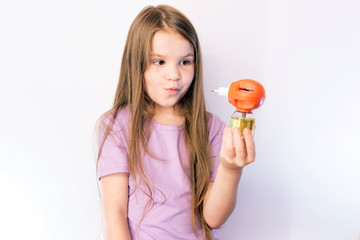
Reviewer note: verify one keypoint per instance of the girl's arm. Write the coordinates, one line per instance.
(114, 191)
(235, 153)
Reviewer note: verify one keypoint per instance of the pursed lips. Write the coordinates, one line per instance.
(172, 90)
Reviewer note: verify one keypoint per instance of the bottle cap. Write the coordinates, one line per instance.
(246, 95)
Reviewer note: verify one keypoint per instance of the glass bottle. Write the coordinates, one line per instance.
(242, 120)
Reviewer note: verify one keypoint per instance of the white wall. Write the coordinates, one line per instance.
(59, 65)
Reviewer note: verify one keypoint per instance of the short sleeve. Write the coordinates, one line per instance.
(113, 153)
(216, 128)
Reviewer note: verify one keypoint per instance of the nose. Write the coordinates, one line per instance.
(173, 73)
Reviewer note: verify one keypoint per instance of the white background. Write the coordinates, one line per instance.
(59, 63)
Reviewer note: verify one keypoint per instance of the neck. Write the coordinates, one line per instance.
(168, 116)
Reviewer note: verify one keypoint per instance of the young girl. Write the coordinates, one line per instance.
(168, 169)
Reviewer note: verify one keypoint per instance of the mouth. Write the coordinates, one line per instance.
(172, 90)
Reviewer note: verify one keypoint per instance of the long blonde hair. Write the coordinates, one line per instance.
(130, 92)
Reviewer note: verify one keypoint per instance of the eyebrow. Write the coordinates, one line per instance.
(161, 56)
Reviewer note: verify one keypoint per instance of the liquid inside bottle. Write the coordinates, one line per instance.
(243, 120)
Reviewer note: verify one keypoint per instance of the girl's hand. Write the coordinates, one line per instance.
(236, 152)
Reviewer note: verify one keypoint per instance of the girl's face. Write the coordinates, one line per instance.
(171, 69)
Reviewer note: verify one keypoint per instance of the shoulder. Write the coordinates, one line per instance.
(113, 122)
(214, 121)
(119, 118)
(122, 117)
(215, 125)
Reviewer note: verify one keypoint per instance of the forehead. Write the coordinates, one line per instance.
(170, 43)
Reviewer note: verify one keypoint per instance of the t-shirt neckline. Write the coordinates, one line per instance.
(167, 127)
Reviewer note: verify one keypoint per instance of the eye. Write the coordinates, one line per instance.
(158, 62)
(186, 62)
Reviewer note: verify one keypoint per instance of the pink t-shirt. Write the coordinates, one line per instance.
(169, 217)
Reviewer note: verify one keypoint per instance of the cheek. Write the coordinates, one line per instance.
(149, 83)
(146, 82)
(190, 76)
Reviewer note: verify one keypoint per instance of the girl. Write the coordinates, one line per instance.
(168, 168)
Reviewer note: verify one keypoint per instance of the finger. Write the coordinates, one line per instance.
(227, 143)
(249, 145)
(239, 145)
